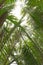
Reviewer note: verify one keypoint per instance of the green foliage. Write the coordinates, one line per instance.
(21, 43)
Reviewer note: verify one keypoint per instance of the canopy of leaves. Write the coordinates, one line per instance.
(21, 43)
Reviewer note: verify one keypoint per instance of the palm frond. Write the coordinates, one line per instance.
(21, 43)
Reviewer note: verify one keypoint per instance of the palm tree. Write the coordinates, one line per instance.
(21, 43)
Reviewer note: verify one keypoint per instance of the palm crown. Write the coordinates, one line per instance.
(21, 43)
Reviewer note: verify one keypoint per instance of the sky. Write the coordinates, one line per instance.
(17, 9)
(14, 63)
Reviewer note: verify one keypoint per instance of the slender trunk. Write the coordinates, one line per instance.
(3, 18)
(1, 4)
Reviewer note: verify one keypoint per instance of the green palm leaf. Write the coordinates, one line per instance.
(21, 43)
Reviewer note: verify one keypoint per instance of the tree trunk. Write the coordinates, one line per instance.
(3, 18)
